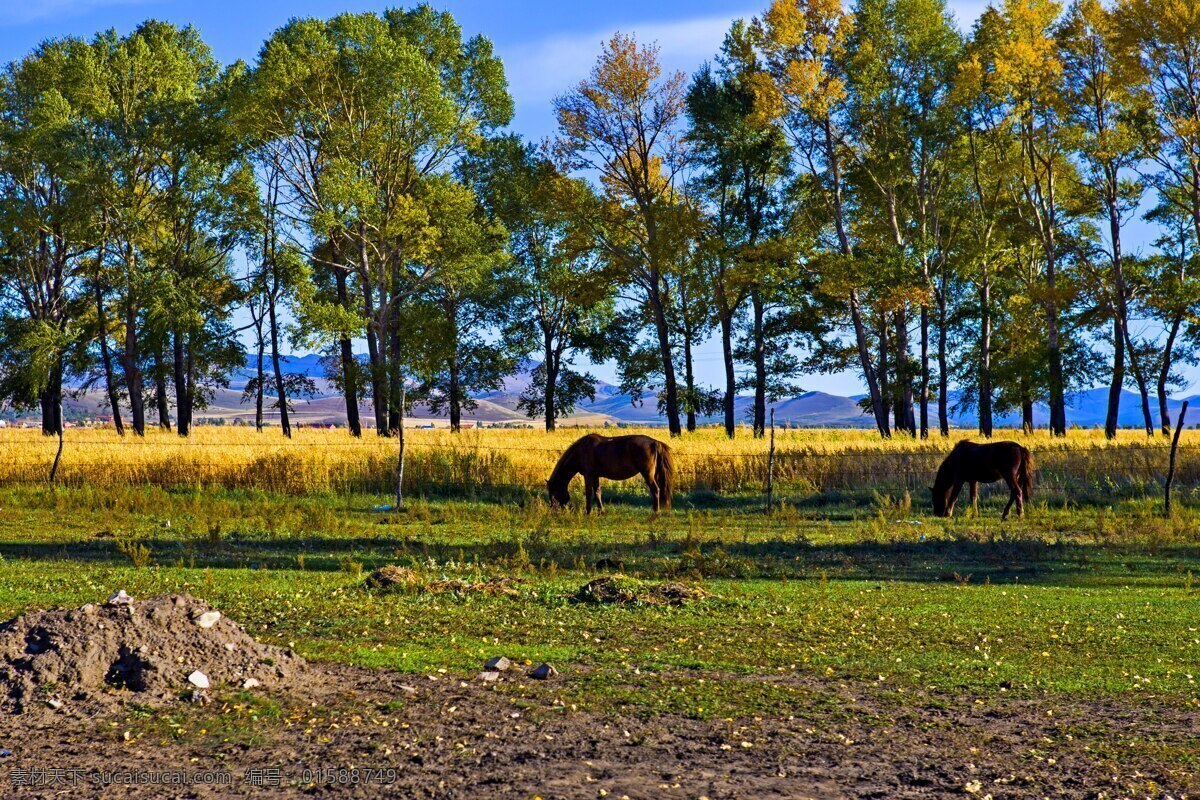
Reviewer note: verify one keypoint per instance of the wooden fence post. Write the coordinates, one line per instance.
(400, 454)
(1171, 467)
(771, 463)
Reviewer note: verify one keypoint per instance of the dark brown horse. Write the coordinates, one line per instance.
(984, 463)
(616, 458)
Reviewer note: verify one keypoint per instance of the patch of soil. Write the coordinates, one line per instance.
(620, 589)
(393, 578)
(145, 648)
(353, 732)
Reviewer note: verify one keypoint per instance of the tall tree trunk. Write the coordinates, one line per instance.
(1058, 400)
(670, 388)
(280, 388)
(1026, 406)
(161, 403)
(133, 371)
(258, 396)
(110, 383)
(51, 401)
(1164, 373)
(349, 366)
(905, 417)
(183, 400)
(874, 388)
(923, 398)
(550, 364)
(374, 334)
(689, 380)
(874, 382)
(760, 366)
(453, 390)
(985, 356)
(943, 369)
(885, 381)
(730, 375)
(1111, 421)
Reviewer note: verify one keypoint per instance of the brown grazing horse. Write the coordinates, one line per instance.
(616, 458)
(984, 463)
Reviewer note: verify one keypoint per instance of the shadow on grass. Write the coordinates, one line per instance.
(961, 560)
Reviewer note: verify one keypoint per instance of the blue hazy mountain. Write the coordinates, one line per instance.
(610, 404)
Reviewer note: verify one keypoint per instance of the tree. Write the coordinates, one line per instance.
(900, 61)
(1028, 69)
(359, 113)
(739, 144)
(805, 44)
(623, 123)
(470, 294)
(46, 226)
(1108, 119)
(147, 92)
(562, 298)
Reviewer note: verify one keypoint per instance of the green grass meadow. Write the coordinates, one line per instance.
(1089, 602)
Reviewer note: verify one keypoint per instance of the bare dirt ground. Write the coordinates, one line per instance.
(101, 702)
(351, 732)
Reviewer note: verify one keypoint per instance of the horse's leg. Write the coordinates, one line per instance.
(648, 476)
(953, 498)
(1014, 495)
(975, 497)
(599, 502)
(589, 488)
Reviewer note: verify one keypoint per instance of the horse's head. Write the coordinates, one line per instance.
(941, 498)
(559, 496)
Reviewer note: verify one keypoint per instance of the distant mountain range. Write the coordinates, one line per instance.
(611, 406)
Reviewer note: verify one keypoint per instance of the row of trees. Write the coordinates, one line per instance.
(864, 189)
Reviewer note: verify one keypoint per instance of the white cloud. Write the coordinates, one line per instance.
(21, 12)
(541, 70)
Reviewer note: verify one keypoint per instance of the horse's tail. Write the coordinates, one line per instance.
(665, 475)
(1025, 474)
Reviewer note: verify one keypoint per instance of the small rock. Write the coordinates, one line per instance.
(207, 619)
(54, 703)
(250, 683)
(200, 697)
(408, 690)
(489, 676)
(199, 680)
(88, 608)
(542, 672)
(230, 646)
(119, 599)
(497, 664)
(5, 753)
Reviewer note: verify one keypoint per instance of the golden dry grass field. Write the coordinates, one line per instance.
(441, 462)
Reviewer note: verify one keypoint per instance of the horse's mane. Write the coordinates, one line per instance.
(566, 460)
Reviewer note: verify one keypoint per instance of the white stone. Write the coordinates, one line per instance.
(199, 680)
(119, 599)
(250, 683)
(207, 619)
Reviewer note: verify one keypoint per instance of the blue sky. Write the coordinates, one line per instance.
(546, 45)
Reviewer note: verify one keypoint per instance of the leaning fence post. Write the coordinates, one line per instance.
(771, 462)
(1171, 466)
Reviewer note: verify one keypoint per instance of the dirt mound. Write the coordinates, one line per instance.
(402, 579)
(622, 590)
(160, 648)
